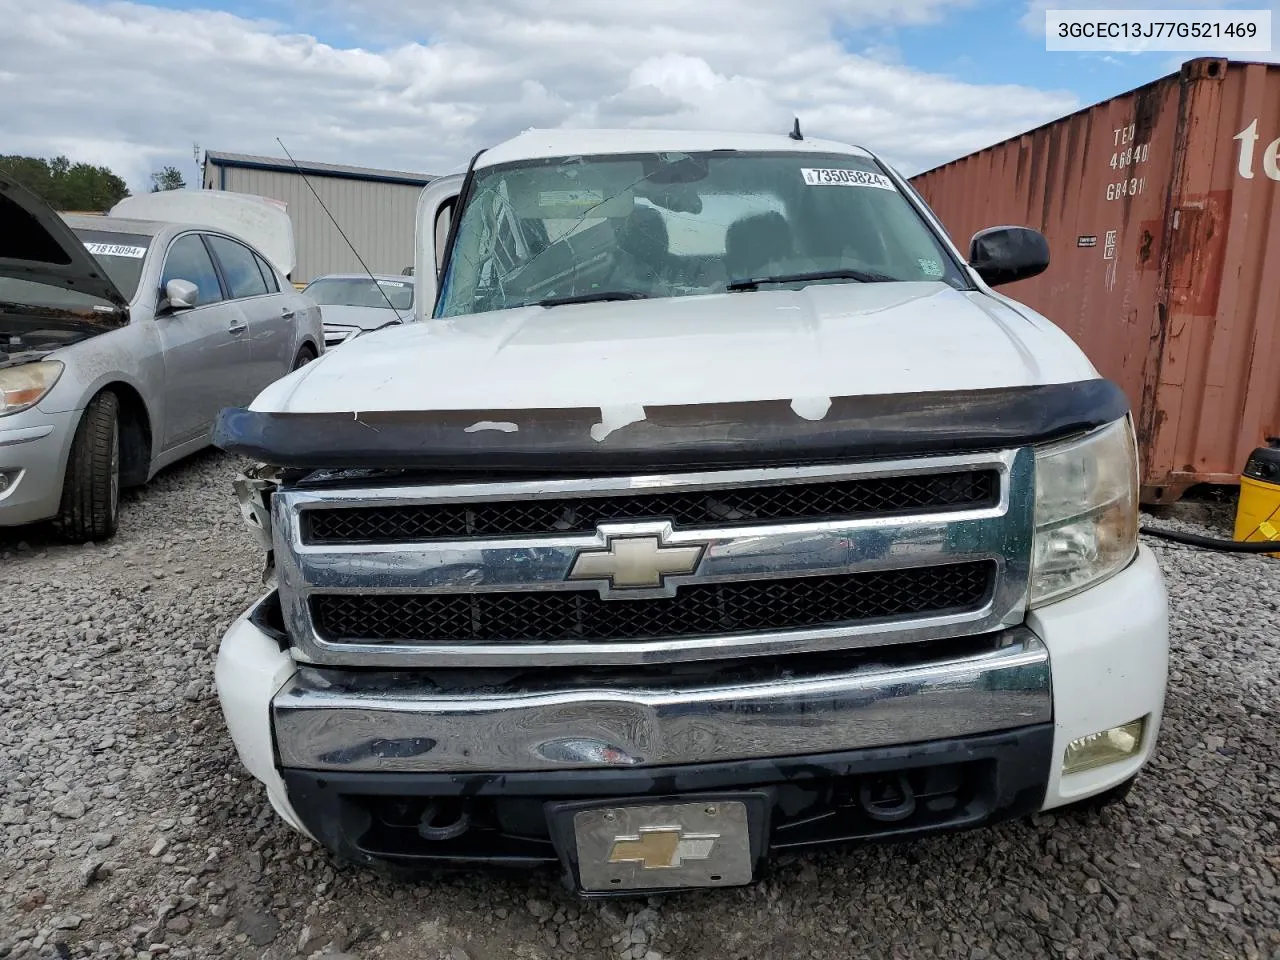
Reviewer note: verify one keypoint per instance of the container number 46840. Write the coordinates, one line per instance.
(1133, 155)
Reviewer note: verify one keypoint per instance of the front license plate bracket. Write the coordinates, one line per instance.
(651, 844)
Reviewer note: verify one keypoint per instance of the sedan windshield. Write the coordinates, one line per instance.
(361, 292)
(621, 227)
(121, 256)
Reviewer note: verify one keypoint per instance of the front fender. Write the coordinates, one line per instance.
(130, 355)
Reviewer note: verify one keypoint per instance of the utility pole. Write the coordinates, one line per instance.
(195, 155)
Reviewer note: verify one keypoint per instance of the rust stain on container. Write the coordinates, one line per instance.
(1162, 210)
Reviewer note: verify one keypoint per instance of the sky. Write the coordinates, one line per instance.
(420, 85)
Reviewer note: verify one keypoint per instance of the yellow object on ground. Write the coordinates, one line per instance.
(1258, 512)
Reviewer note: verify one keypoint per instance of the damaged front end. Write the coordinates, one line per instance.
(477, 635)
(254, 489)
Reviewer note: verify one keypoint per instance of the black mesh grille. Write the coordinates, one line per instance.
(700, 610)
(690, 509)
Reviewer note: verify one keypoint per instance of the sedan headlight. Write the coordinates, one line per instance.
(1086, 511)
(335, 334)
(24, 386)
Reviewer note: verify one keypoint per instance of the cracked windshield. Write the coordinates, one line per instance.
(665, 225)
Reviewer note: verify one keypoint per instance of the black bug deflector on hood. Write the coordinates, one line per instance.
(756, 433)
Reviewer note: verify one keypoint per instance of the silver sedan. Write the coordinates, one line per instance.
(120, 340)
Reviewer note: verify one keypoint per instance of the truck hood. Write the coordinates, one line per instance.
(806, 346)
(37, 245)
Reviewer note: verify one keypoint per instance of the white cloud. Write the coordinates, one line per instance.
(132, 86)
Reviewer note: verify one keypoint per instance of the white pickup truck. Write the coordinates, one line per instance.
(713, 506)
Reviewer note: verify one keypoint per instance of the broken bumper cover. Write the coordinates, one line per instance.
(809, 801)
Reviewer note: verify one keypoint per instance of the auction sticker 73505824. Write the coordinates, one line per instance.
(845, 178)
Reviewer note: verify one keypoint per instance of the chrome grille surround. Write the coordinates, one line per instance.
(769, 551)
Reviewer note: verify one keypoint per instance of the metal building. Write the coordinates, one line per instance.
(376, 209)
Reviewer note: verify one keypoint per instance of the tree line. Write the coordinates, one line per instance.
(79, 186)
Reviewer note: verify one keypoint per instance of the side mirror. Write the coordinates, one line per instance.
(181, 294)
(1005, 254)
(429, 239)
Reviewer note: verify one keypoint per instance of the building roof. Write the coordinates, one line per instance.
(538, 144)
(246, 161)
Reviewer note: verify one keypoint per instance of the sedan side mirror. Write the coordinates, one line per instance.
(1005, 254)
(181, 294)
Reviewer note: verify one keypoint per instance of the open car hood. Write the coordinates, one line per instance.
(36, 244)
(263, 222)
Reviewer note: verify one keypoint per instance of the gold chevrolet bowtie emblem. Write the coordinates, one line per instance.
(657, 848)
(635, 562)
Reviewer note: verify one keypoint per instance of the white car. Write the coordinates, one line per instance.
(353, 304)
(716, 506)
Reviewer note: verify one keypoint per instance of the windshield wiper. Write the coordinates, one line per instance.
(862, 276)
(597, 297)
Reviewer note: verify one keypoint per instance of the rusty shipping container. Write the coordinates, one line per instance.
(1162, 210)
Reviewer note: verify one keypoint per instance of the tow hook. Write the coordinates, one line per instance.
(887, 798)
(428, 829)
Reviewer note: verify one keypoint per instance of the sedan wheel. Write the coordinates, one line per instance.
(90, 508)
(305, 356)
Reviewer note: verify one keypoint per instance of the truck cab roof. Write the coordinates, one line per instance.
(537, 144)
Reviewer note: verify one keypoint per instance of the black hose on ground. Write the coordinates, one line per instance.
(1210, 543)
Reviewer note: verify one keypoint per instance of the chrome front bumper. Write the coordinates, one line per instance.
(335, 720)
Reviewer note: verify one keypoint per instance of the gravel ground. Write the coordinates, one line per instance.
(127, 828)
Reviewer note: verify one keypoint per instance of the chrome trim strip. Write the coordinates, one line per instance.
(730, 555)
(24, 435)
(357, 721)
(304, 498)
(1001, 534)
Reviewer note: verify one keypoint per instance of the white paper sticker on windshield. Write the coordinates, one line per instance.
(392, 283)
(115, 250)
(570, 198)
(845, 178)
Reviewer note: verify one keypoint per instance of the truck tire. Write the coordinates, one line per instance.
(90, 507)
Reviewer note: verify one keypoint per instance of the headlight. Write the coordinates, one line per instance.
(24, 386)
(335, 334)
(1086, 511)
